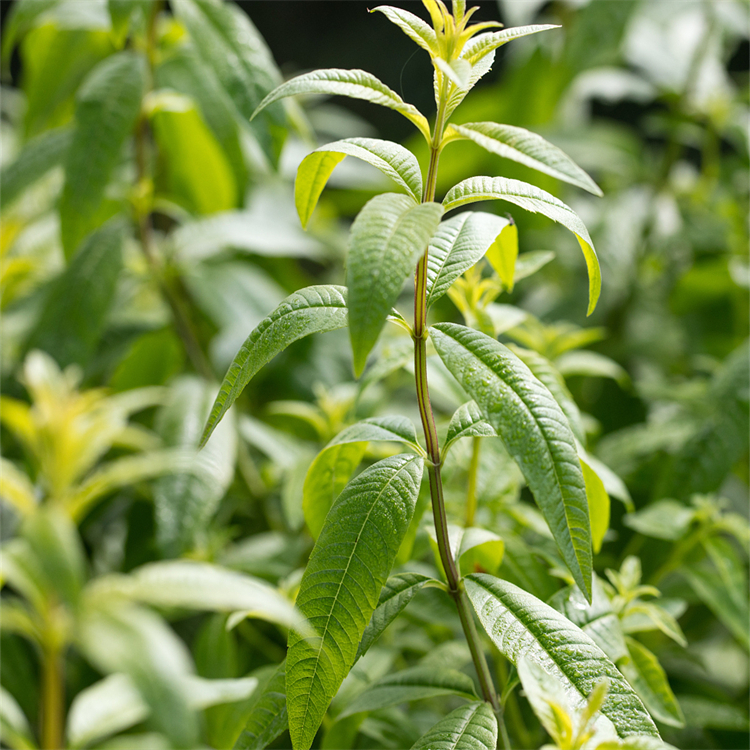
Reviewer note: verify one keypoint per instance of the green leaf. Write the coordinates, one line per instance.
(357, 84)
(185, 503)
(503, 253)
(315, 309)
(341, 585)
(203, 183)
(335, 464)
(591, 364)
(390, 158)
(664, 519)
(413, 26)
(521, 625)
(71, 325)
(398, 591)
(701, 711)
(409, 685)
(236, 54)
(599, 505)
(387, 239)
(535, 200)
(36, 158)
(456, 246)
(483, 44)
(14, 727)
(268, 716)
(526, 148)
(649, 680)
(21, 17)
(121, 14)
(107, 108)
(467, 421)
(474, 549)
(643, 616)
(535, 432)
(471, 727)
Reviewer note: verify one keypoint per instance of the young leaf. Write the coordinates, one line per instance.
(413, 26)
(526, 148)
(535, 200)
(521, 625)
(390, 158)
(649, 680)
(456, 246)
(357, 84)
(470, 727)
(315, 309)
(535, 432)
(412, 684)
(599, 505)
(107, 107)
(483, 44)
(268, 716)
(398, 591)
(341, 585)
(503, 253)
(387, 238)
(467, 421)
(36, 158)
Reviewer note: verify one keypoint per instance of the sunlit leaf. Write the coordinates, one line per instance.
(598, 501)
(502, 255)
(483, 44)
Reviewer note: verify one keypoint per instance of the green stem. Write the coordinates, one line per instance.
(453, 577)
(53, 691)
(471, 492)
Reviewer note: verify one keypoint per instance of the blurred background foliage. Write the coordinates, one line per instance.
(147, 227)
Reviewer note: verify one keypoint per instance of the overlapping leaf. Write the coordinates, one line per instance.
(413, 26)
(315, 309)
(387, 238)
(467, 421)
(519, 624)
(341, 585)
(483, 44)
(470, 727)
(535, 432)
(535, 200)
(268, 716)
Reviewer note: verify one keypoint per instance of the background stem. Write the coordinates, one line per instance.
(52, 698)
(471, 492)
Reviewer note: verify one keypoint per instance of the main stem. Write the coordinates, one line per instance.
(452, 574)
(52, 697)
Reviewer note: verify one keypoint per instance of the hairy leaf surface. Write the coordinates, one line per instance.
(315, 309)
(413, 26)
(535, 432)
(535, 200)
(471, 727)
(467, 421)
(519, 624)
(341, 585)
(483, 44)
(387, 238)
(526, 148)
(390, 158)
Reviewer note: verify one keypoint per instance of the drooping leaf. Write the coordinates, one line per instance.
(535, 200)
(470, 727)
(467, 421)
(71, 325)
(36, 158)
(456, 246)
(357, 84)
(483, 44)
(413, 26)
(535, 432)
(315, 309)
(526, 148)
(387, 238)
(108, 105)
(390, 158)
(335, 464)
(398, 591)
(521, 625)
(341, 585)
(268, 713)
(503, 253)
(649, 680)
(411, 685)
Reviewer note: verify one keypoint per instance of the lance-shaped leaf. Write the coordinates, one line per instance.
(535, 432)
(335, 464)
(470, 727)
(526, 148)
(467, 421)
(387, 238)
(535, 200)
(357, 84)
(483, 44)
(456, 246)
(390, 158)
(648, 678)
(413, 26)
(107, 107)
(268, 716)
(341, 585)
(398, 591)
(411, 685)
(599, 505)
(503, 254)
(521, 625)
(37, 157)
(315, 309)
